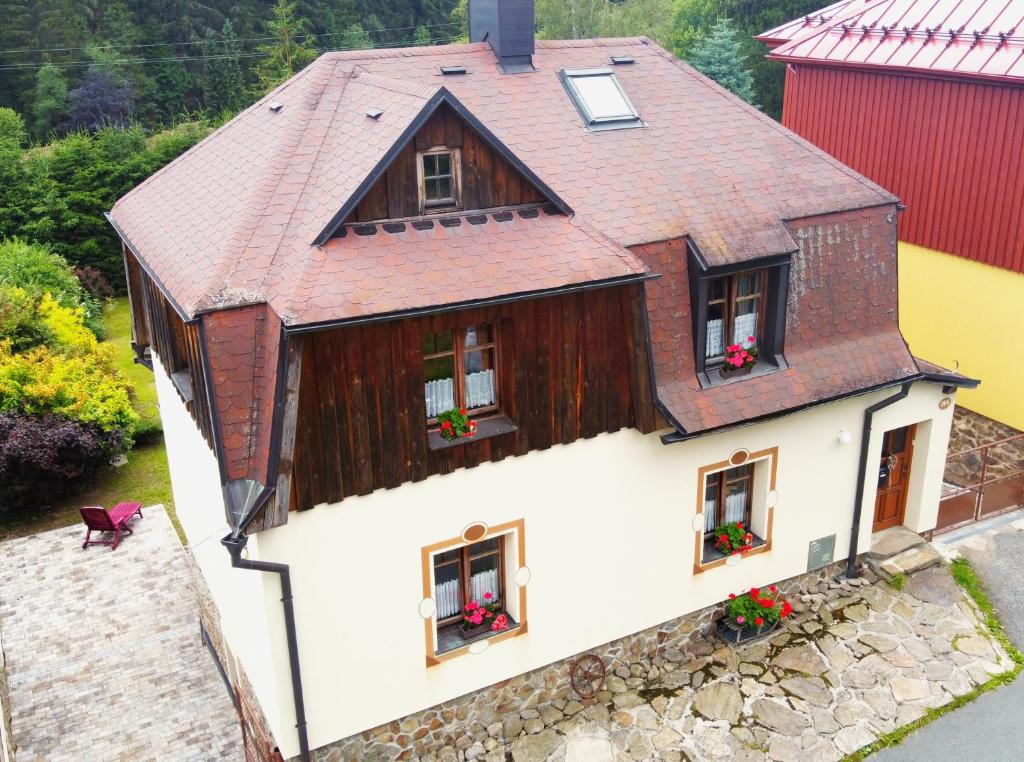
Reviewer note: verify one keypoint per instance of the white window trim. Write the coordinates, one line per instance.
(456, 164)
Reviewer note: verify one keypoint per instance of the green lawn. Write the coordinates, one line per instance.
(144, 477)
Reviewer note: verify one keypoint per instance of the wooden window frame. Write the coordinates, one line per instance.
(515, 531)
(427, 206)
(720, 477)
(458, 351)
(771, 326)
(465, 560)
(730, 300)
(769, 457)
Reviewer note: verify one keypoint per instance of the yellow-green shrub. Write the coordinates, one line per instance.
(66, 326)
(85, 387)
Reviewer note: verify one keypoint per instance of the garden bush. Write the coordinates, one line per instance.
(38, 270)
(43, 457)
(85, 388)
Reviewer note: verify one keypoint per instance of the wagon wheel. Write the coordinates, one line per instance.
(586, 675)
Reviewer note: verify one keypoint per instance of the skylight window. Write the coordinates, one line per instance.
(600, 99)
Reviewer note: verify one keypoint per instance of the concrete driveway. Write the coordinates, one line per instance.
(988, 728)
(104, 657)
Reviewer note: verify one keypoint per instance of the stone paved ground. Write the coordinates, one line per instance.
(858, 661)
(103, 651)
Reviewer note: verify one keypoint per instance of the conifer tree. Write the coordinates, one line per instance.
(223, 82)
(291, 49)
(51, 101)
(719, 56)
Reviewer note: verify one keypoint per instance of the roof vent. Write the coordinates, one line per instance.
(275, 106)
(507, 26)
(374, 113)
(619, 60)
(448, 70)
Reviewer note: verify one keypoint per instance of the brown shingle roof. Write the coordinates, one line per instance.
(232, 220)
(467, 257)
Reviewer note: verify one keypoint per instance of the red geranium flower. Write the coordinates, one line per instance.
(754, 592)
(786, 609)
(758, 621)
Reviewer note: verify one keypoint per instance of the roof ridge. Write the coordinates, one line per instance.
(261, 208)
(721, 92)
(418, 50)
(223, 129)
(594, 42)
(394, 85)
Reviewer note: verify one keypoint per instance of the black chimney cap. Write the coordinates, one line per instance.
(507, 26)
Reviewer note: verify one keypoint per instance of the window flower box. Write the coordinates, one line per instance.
(480, 618)
(752, 615)
(739, 360)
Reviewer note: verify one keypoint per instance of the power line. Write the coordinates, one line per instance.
(135, 61)
(220, 41)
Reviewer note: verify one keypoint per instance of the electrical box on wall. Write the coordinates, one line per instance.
(821, 552)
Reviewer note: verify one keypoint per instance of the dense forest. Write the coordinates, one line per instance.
(70, 64)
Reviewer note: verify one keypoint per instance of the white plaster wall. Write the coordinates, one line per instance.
(609, 542)
(248, 601)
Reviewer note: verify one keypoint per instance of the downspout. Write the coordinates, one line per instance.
(235, 545)
(862, 470)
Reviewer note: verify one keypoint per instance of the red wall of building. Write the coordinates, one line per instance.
(952, 150)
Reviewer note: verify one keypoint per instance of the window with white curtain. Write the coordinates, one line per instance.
(459, 371)
(728, 496)
(467, 574)
(735, 313)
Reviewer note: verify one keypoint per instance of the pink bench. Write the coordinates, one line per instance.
(115, 520)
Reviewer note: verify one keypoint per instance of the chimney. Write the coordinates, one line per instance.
(507, 25)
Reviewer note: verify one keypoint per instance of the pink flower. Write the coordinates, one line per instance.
(472, 605)
(477, 618)
(750, 339)
(488, 596)
(740, 620)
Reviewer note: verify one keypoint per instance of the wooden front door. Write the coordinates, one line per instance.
(893, 477)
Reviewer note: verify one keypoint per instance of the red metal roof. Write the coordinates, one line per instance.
(981, 39)
(225, 224)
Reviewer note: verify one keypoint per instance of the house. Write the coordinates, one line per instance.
(565, 239)
(927, 99)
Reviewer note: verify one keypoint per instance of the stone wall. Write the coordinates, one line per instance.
(479, 725)
(6, 737)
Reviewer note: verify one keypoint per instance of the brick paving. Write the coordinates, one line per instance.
(103, 651)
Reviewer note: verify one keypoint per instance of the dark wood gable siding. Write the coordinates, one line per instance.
(176, 342)
(569, 367)
(488, 181)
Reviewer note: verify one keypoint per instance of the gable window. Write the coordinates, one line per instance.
(735, 312)
(439, 180)
(458, 371)
(600, 99)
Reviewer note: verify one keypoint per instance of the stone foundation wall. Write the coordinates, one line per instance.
(6, 736)
(479, 725)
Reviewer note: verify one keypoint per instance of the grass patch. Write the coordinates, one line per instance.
(898, 581)
(117, 321)
(145, 477)
(964, 575)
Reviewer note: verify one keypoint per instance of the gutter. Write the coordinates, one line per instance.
(862, 468)
(235, 545)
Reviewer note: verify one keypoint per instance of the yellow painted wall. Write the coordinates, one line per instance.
(955, 310)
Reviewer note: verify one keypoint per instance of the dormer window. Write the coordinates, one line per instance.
(735, 313)
(600, 99)
(439, 179)
(743, 308)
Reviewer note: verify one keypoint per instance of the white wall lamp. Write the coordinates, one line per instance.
(844, 436)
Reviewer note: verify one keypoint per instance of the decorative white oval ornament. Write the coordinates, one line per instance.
(478, 646)
(771, 499)
(734, 559)
(698, 522)
(523, 576)
(427, 608)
